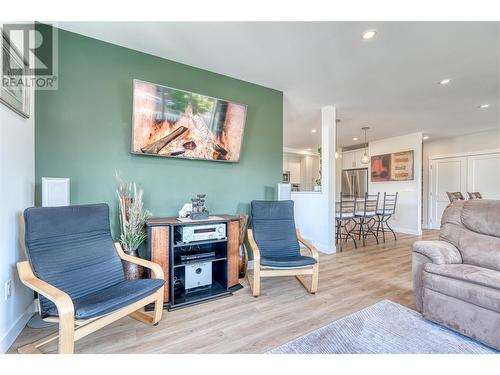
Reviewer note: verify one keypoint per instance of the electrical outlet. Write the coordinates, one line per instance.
(8, 289)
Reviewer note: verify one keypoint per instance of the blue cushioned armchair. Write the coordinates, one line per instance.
(274, 244)
(77, 270)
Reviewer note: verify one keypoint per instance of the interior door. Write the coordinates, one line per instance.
(448, 174)
(484, 175)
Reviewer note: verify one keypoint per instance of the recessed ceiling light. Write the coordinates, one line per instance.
(426, 137)
(313, 131)
(309, 149)
(444, 81)
(483, 106)
(369, 34)
(355, 139)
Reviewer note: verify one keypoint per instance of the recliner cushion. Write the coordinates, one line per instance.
(273, 227)
(482, 216)
(71, 248)
(112, 298)
(476, 285)
(288, 262)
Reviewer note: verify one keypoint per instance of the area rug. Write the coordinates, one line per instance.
(383, 328)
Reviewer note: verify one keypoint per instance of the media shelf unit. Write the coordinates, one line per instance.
(164, 248)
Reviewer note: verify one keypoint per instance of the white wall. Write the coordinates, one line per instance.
(488, 140)
(17, 176)
(409, 205)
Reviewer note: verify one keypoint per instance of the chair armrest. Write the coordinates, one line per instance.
(62, 300)
(254, 248)
(438, 252)
(156, 271)
(309, 246)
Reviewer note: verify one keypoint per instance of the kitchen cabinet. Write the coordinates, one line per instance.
(352, 159)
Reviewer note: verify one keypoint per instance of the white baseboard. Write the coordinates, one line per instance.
(8, 339)
(326, 249)
(407, 231)
(323, 248)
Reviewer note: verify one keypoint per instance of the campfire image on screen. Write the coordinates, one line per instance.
(177, 123)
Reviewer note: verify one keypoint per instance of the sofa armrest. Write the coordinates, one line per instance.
(438, 252)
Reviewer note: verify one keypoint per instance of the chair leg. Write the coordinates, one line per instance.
(66, 334)
(378, 224)
(158, 311)
(315, 279)
(312, 286)
(390, 229)
(33, 347)
(254, 282)
(369, 228)
(362, 232)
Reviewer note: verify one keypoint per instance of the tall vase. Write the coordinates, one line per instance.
(243, 261)
(133, 271)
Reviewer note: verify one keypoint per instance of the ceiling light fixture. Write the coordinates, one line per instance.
(355, 139)
(426, 137)
(445, 81)
(313, 131)
(369, 34)
(365, 158)
(483, 106)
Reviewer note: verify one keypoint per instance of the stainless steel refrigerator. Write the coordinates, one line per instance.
(355, 182)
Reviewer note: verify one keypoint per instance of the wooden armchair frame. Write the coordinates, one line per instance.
(71, 330)
(258, 272)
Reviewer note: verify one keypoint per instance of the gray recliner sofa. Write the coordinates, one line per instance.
(457, 279)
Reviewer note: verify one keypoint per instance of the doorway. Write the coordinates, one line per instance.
(468, 173)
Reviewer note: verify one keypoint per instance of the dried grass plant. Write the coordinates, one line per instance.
(133, 216)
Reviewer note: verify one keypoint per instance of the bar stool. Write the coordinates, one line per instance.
(344, 215)
(384, 214)
(365, 217)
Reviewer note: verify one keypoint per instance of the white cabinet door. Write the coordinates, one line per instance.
(352, 159)
(484, 175)
(348, 160)
(448, 174)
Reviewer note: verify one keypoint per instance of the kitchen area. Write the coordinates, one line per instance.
(353, 174)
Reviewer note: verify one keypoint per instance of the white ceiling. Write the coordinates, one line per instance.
(388, 83)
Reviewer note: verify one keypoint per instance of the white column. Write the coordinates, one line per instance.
(328, 166)
(315, 211)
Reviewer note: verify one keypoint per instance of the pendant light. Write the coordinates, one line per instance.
(365, 158)
(337, 155)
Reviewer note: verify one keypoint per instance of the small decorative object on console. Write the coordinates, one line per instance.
(185, 210)
(199, 211)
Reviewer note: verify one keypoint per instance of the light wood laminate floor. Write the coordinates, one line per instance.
(348, 281)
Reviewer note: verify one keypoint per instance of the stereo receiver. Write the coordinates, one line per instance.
(194, 233)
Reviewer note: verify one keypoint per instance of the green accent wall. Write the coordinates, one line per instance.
(83, 131)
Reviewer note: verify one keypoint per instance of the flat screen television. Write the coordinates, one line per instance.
(176, 123)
